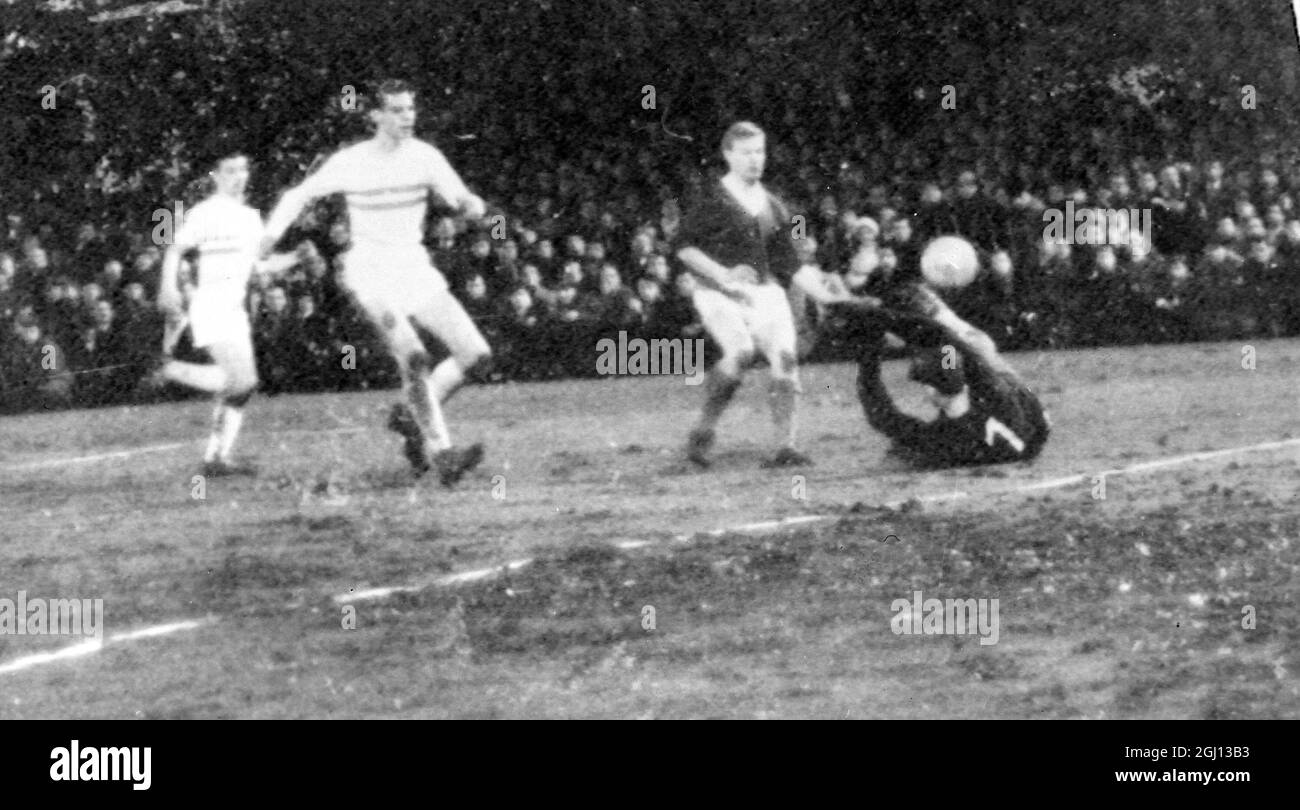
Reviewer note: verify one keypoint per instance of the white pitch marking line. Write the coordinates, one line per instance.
(449, 579)
(158, 448)
(794, 520)
(94, 645)
(58, 462)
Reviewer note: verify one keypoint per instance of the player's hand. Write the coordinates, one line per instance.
(473, 208)
(267, 246)
(743, 274)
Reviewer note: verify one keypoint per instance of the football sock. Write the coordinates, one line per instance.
(446, 379)
(427, 412)
(719, 389)
(781, 397)
(214, 441)
(231, 420)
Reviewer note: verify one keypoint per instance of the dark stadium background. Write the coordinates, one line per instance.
(540, 106)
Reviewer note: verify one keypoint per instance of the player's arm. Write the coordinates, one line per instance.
(170, 301)
(716, 276)
(328, 180)
(446, 183)
(817, 286)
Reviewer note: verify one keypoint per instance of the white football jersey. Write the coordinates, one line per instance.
(386, 191)
(227, 235)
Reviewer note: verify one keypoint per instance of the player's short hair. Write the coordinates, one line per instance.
(739, 131)
(217, 149)
(389, 87)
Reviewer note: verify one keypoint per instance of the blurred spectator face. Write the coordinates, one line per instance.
(1214, 171)
(1000, 264)
(1055, 192)
(476, 288)
(339, 233)
(642, 245)
(1255, 228)
(544, 206)
(967, 186)
(55, 292)
(931, 194)
(1119, 185)
(520, 300)
(658, 269)
(545, 250)
(596, 252)
(1260, 251)
(142, 263)
(445, 229)
(532, 276)
(887, 218)
(28, 331)
(1178, 271)
(902, 231)
(37, 258)
(827, 207)
(277, 302)
(1274, 218)
(7, 265)
(567, 294)
(306, 306)
(112, 274)
(572, 273)
(509, 250)
(1243, 179)
(135, 292)
(648, 290)
(1169, 177)
(1147, 183)
(684, 284)
(91, 293)
(528, 237)
(878, 197)
(1226, 230)
(1268, 179)
(86, 233)
(1245, 211)
(1106, 261)
(610, 281)
(481, 248)
(888, 261)
(103, 315)
(575, 246)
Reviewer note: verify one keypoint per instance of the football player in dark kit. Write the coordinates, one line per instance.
(987, 415)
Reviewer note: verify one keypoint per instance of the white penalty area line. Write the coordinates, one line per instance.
(798, 520)
(55, 463)
(94, 645)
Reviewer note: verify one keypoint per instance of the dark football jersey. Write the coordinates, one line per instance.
(721, 227)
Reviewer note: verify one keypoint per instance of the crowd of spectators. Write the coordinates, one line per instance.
(575, 253)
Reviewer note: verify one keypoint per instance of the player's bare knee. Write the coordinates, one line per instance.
(743, 358)
(419, 363)
(239, 399)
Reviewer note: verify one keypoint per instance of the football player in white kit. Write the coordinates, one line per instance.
(226, 233)
(386, 181)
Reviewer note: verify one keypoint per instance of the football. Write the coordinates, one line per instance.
(949, 262)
